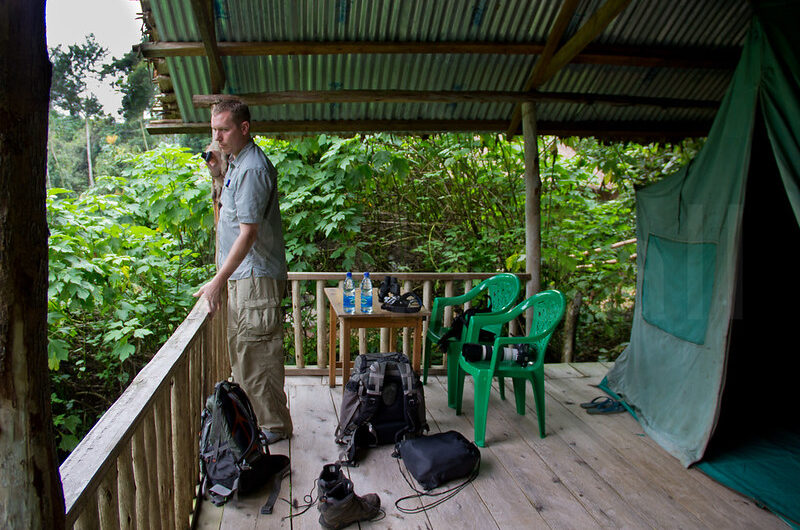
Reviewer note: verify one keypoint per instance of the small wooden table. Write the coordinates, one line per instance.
(379, 318)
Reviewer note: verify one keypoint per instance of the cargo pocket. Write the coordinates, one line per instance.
(260, 320)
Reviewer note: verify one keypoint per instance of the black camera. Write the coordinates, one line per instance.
(207, 155)
(521, 354)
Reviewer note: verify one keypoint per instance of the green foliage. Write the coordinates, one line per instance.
(320, 178)
(125, 257)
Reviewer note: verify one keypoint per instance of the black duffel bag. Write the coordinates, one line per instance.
(435, 460)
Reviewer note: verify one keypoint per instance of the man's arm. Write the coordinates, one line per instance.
(211, 291)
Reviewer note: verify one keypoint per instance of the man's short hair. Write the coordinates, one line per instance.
(240, 112)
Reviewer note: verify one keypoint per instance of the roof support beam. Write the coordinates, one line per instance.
(203, 13)
(547, 66)
(606, 55)
(600, 129)
(294, 97)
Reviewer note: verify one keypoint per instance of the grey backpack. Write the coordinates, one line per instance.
(382, 403)
(234, 456)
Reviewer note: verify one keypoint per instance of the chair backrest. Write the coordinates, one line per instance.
(548, 310)
(503, 292)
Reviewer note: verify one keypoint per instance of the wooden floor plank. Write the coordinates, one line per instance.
(550, 498)
(588, 472)
(560, 370)
(640, 493)
(495, 494)
(599, 499)
(711, 505)
(597, 370)
(312, 446)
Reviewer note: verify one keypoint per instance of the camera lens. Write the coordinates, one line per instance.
(206, 155)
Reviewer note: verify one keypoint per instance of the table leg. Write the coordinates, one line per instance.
(345, 351)
(332, 349)
(416, 360)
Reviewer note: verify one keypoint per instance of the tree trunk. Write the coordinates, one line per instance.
(30, 488)
(89, 151)
(570, 325)
(533, 208)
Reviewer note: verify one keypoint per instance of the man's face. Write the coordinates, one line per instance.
(230, 136)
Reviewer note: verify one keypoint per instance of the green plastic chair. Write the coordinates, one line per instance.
(548, 310)
(502, 289)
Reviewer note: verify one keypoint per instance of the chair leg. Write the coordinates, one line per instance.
(426, 362)
(502, 386)
(452, 370)
(461, 374)
(537, 381)
(519, 394)
(483, 386)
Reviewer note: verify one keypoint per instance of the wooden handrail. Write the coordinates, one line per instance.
(139, 462)
(139, 465)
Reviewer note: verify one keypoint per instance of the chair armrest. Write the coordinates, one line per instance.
(441, 302)
(481, 320)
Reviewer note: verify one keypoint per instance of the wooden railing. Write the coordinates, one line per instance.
(310, 285)
(138, 467)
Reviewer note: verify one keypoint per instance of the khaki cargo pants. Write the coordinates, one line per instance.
(255, 346)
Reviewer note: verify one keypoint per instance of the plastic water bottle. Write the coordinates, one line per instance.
(349, 294)
(366, 294)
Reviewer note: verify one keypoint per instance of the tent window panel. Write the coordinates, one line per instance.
(677, 287)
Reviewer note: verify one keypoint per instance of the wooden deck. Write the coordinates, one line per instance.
(589, 472)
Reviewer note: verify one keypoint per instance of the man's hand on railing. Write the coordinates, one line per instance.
(211, 293)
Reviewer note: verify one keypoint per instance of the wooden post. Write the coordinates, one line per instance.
(108, 501)
(533, 192)
(183, 442)
(427, 301)
(141, 476)
(467, 288)
(298, 325)
(322, 328)
(448, 311)
(31, 495)
(126, 488)
(88, 519)
(166, 487)
(407, 331)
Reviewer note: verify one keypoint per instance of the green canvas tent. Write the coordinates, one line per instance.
(712, 361)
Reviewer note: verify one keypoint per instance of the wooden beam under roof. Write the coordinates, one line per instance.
(647, 57)
(203, 13)
(296, 97)
(653, 130)
(548, 66)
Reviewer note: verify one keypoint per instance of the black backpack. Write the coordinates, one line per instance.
(234, 456)
(382, 403)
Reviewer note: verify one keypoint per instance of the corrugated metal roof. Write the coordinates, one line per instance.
(642, 25)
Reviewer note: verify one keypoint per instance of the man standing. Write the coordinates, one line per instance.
(252, 260)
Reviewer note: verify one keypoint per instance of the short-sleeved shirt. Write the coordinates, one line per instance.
(250, 196)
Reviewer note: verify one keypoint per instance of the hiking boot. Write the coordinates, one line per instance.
(339, 506)
(330, 477)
